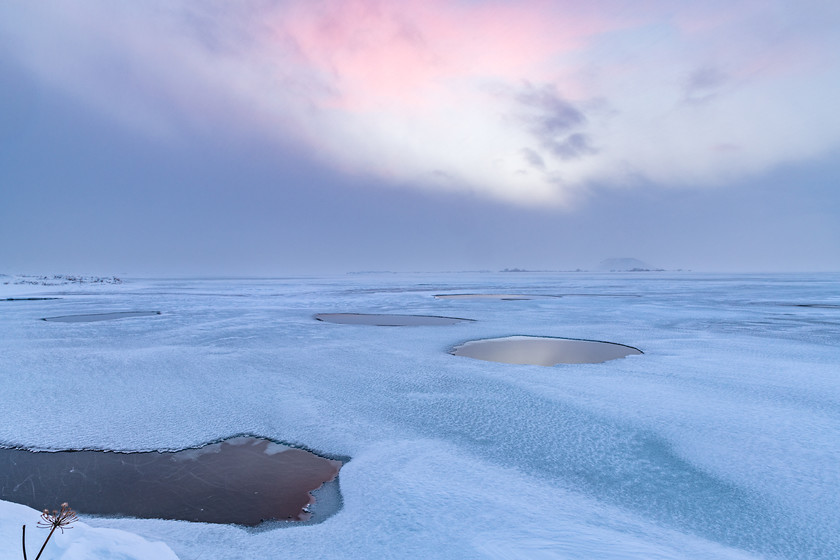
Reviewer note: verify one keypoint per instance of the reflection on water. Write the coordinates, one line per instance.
(543, 351)
(382, 320)
(244, 480)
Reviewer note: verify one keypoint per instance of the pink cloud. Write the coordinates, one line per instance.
(373, 52)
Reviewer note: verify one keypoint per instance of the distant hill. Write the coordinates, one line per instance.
(626, 265)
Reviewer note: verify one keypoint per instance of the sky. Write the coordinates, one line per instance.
(262, 138)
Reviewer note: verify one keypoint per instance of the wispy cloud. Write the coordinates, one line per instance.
(704, 84)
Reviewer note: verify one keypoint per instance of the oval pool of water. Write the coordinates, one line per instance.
(100, 316)
(243, 480)
(543, 351)
(27, 298)
(384, 320)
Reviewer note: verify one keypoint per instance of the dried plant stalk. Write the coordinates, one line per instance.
(58, 519)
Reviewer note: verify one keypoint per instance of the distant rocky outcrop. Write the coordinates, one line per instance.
(57, 280)
(626, 265)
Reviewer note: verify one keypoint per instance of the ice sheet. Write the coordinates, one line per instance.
(721, 441)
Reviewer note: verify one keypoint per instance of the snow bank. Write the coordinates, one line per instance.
(80, 542)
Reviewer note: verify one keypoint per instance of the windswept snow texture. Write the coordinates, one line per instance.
(722, 441)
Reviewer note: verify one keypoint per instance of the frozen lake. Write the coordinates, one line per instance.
(721, 441)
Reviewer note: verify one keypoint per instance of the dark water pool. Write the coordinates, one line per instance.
(243, 480)
(384, 320)
(28, 298)
(503, 297)
(100, 316)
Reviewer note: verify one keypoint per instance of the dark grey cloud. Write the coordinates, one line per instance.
(727, 147)
(533, 158)
(555, 122)
(573, 146)
(552, 113)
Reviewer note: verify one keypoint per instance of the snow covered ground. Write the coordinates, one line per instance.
(721, 441)
(78, 542)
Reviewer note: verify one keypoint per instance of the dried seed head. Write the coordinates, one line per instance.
(58, 519)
